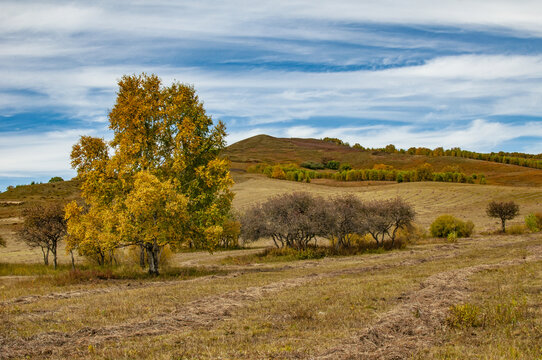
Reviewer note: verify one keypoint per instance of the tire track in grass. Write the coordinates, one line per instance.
(199, 313)
(207, 311)
(411, 326)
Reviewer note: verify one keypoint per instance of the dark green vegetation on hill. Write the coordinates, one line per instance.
(270, 150)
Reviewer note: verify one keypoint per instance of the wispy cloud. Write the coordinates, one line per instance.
(411, 73)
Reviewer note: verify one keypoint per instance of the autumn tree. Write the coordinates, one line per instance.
(44, 227)
(502, 210)
(160, 180)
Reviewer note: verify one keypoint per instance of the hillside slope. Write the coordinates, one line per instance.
(268, 149)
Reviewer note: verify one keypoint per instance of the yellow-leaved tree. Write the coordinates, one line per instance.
(159, 181)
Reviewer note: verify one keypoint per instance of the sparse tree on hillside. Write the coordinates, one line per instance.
(502, 210)
(44, 227)
(166, 145)
(291, 220)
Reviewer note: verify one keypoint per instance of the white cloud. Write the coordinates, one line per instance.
(478, 135)
(45, 153)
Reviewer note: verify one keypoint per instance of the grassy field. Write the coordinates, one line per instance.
(479, 298)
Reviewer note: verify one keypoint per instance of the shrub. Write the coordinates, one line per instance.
(312, 165)
(411, 234)
(2, 241)
(447, 224)
(278, 173)
(291, 220)
(386, 217)
(534, 222)
(332, 164)
(502, 210)
(463, 316)
(56, 179)
(345, 167)
(347, 220)
(516, 229)
(452, 237)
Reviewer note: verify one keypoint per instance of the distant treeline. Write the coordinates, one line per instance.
(513, 158)
(293, 172)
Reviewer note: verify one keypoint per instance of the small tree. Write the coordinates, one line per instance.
(56, 179)
(386, 217)
(502, 210)
(347, 221)
(400, 214)
(44, 227)
(291, 220)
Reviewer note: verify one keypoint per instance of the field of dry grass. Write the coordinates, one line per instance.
(393, 305)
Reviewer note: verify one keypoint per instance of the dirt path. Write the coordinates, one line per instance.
(410, 326)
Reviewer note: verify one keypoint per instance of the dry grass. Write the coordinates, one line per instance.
(284, 310)
(394, 304)
(465, 201)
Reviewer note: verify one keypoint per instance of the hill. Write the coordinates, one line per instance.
(268, 149)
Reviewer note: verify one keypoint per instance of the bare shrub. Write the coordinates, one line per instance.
(291, 220)
(347, 220)
(387, 217)
(44, 226)
(502, 210)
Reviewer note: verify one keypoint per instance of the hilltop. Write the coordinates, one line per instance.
(271, 150)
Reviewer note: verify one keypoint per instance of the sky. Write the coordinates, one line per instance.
(411, 73)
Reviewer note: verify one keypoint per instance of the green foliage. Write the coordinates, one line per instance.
(312, 165)
(534, 222)
(332, 164)
(447, 224)
(56, 179)
(508, 311)
(452, 237)
(463, 316)
(345, 167)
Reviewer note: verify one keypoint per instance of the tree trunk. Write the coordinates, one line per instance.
(503, 221)
(45, 256)
(54, 257)
(73, 260)
(153, 253)
(142, 256)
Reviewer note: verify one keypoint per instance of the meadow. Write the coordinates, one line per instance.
(475, 298)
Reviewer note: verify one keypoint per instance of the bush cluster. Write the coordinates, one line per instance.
(295, 220)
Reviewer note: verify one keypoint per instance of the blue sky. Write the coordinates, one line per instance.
(411, 73)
